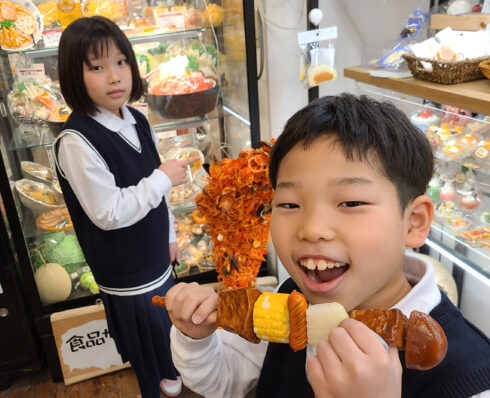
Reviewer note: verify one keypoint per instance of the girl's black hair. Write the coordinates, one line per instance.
(81, 38)
(365, 130)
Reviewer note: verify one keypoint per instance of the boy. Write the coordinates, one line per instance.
(349, 176)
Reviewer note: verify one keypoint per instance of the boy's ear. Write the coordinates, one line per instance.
(420, 213)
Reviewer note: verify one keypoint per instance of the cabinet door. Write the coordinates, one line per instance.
(19, 352)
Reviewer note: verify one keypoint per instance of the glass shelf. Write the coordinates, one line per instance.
(35, 137)
(39, 51)
(477, 257)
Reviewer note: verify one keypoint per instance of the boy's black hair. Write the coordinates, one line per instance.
(366, 130)
(79, 39)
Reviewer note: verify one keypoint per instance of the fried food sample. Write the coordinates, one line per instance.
(235, 312)
(390, 325)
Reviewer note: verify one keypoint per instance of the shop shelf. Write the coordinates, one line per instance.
(148, 38)
(474, 95)
(44, 138)
(473, 255)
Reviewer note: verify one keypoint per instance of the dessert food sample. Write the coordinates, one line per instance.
(425, 118)
(286, 318)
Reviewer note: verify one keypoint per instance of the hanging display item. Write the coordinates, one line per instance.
(236, 205)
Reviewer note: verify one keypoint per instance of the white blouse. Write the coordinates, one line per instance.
(107, 205)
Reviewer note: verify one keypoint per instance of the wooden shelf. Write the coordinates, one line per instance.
(474, 21)
(473, 96)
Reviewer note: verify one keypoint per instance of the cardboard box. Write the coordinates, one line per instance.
(85, 348)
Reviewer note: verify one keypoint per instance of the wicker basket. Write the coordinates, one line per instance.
(445, 72)
(485, 68)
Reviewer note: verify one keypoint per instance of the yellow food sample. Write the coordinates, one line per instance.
(49, 12)
(271, 317)
(109, 9)
(213, 15)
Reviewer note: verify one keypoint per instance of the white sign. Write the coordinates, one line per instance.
(89, 345)
(171, 20)
(142, 107)
(311, 36)
(35, 72)
(52, 37)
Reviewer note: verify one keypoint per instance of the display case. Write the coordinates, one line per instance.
(455, 120)
(210, 43)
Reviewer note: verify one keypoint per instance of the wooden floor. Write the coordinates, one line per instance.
(121, 384)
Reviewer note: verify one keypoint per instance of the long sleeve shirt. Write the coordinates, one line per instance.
(225, 365)
(107, 205)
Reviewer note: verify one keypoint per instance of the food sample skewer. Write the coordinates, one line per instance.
(287, 318)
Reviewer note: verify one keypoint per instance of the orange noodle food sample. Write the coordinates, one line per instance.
(236, 205)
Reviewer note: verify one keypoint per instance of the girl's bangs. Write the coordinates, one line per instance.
(98, 46)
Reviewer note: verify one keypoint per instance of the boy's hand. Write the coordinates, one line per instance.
(353, 363)
(192, 309)
(176, 170)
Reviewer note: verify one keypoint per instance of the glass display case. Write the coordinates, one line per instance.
(460, 137)
(197, 60)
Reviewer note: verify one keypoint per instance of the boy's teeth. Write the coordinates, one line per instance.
(321, 265)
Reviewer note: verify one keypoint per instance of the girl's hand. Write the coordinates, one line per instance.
(353, 363)
(192, 309)
(174, 250)
(176, 170)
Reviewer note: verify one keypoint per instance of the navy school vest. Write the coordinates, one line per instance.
(464, 372)
(131, 256)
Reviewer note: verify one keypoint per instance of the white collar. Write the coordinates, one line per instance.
(425, 295)
(111, 121)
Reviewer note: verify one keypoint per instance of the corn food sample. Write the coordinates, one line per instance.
(271, 317)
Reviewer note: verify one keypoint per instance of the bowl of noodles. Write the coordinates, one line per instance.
(21, 25)
(37, 196)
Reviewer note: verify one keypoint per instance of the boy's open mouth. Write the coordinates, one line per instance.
(323, 271)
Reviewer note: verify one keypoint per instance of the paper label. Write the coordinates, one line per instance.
(89, 345)
(460, 178)
(481, 153)
(142, 107)
(171, 19)
(311, 36)
(52, 37)
(35, 72)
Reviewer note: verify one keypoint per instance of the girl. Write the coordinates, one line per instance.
(114, 185)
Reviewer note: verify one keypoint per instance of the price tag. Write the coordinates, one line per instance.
(481, 153)
(171, 20)
(52, 37)
(311, 36)
(35, 72)
(142, 107)
(460, 178)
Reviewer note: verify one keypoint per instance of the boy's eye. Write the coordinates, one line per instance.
(288, 205)
(351, 203)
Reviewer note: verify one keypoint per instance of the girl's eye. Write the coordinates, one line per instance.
(352, 203)
(122, 62)
(288, 205)
(96, 67)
